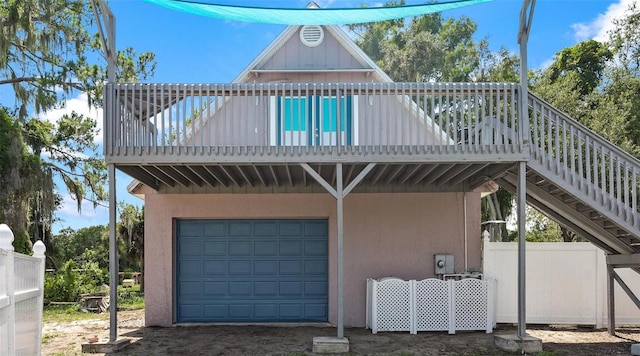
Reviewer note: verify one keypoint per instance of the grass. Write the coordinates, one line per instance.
(64, 313)
(128, 298)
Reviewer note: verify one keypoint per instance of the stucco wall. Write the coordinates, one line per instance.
(384, 235)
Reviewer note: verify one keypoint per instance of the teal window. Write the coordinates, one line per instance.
(314, 121)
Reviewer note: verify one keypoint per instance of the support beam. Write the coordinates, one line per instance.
(621, 261)
(113, 257)
(626, 289)
(358, 179)
(340, 223)
(611, 301)
(339, 193)
(522, 205)
(319, 179)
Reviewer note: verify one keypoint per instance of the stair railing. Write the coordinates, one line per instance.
(589, 163)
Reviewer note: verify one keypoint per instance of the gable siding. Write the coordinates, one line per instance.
(330, 54)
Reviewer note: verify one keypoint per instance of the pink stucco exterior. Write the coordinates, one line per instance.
(385, 234)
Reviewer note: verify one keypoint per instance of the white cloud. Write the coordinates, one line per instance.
(599, 28)
(88, 216)
(80, 105)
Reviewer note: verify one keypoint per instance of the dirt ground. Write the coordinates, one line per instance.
(66, 338)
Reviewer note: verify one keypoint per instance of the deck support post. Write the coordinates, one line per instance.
(526, 17)
(611, 305)
(340, 223)
(522, 205)
(339, 193)
(113, 257)
(613, 262)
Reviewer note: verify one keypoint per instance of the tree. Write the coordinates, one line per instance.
(400, 50)
(432, 48)
(20, 179)
(131, 231)
(48, 53)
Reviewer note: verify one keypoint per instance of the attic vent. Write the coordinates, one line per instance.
(311, 36)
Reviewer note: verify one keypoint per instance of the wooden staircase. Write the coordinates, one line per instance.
(582, 181)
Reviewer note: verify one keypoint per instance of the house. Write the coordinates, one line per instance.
(274, 198)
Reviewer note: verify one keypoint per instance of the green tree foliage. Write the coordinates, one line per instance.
(597, 83)
(131, 232)
(47, 51)
(21, 180)
(90, 244)
(50, 51)
(401, 50)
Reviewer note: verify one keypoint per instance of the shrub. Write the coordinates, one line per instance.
(69, 282)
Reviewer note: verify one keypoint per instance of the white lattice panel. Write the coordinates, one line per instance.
(393, 311)
(432, 305)
(471, 304)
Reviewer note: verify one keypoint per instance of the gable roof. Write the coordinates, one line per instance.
(338, 33)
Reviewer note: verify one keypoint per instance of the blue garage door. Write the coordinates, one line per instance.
(251, 270)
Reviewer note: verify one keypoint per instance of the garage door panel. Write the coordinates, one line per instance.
(214, 229)
(265, 228)
(315, 268)
(240, 248)
(315, 311)
(266, 248)
(191, 289)
(214, 312)
(288, 267)
(241, 311)
(190, 268)
(291, 310)
(266, 311)
(240, 268)
(190, 311)
(189, 229)
(315, 248)
(266, 268)
(241, 289)
(252, 270)
(214, 248)
(291, 248)
(214, 268)
(239, 228)
(291, 228)
(316, 228)
(266, 289)
(191, 248)
(291, 289)
(316, 289)
(215, 289)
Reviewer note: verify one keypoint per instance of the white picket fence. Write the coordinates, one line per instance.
(21, 297)
(430, 305)
(566, 283)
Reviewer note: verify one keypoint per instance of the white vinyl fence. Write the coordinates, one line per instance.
(21, 297)
(430, 305)
(566, 283)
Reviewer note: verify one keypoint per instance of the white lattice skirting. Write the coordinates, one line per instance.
(430, 305)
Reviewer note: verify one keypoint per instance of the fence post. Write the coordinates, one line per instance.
(6, 243)
(38, 252)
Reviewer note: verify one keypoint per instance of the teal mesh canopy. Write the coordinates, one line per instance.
(311, 16)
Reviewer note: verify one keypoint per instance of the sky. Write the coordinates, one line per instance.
(197, 49)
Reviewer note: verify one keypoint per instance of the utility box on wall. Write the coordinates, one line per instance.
(443, 264)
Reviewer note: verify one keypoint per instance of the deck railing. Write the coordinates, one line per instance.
(169, 118)
(585, 161)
